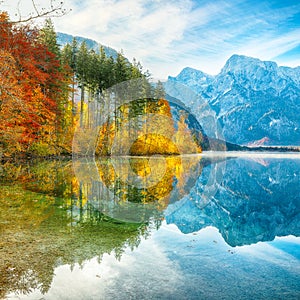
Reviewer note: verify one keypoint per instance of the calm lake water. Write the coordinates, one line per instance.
(183, 227)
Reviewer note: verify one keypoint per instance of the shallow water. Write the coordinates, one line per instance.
(190, 227)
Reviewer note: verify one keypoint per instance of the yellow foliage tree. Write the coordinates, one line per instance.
(184, 139)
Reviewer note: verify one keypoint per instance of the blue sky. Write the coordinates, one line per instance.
(167, 35)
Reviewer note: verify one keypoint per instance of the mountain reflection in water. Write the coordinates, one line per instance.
(256, 201)
(63, 212)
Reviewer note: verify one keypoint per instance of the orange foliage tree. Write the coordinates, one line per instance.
(30, 81)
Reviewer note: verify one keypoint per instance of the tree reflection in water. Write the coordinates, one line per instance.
(49, 216)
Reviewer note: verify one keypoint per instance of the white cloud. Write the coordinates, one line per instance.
(267, 47)
(143, 29)
(169, 35)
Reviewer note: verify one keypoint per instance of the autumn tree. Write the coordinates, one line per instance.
(59, 87)
(34, 107)
(9, 104)
(39, 85)
(184, 138)
(159, 91)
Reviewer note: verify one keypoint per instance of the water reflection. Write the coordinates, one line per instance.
(257, 200)
(137, 189)
(61, 212)
(44, 222)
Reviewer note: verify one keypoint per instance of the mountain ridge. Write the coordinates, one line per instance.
(253, 100)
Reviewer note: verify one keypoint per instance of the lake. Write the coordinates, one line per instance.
(210, 226)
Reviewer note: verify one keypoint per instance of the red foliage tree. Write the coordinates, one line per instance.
(32, 86)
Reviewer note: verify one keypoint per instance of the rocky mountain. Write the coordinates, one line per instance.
(63, 39)
(256, 102)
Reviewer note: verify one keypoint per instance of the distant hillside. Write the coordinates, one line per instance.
(63, 39)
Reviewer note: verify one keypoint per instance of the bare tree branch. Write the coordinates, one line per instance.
(34, 6)
(54, 9)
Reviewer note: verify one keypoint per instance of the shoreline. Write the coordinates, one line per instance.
(273, 151)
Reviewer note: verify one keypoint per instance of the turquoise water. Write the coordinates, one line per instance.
(190, 228)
